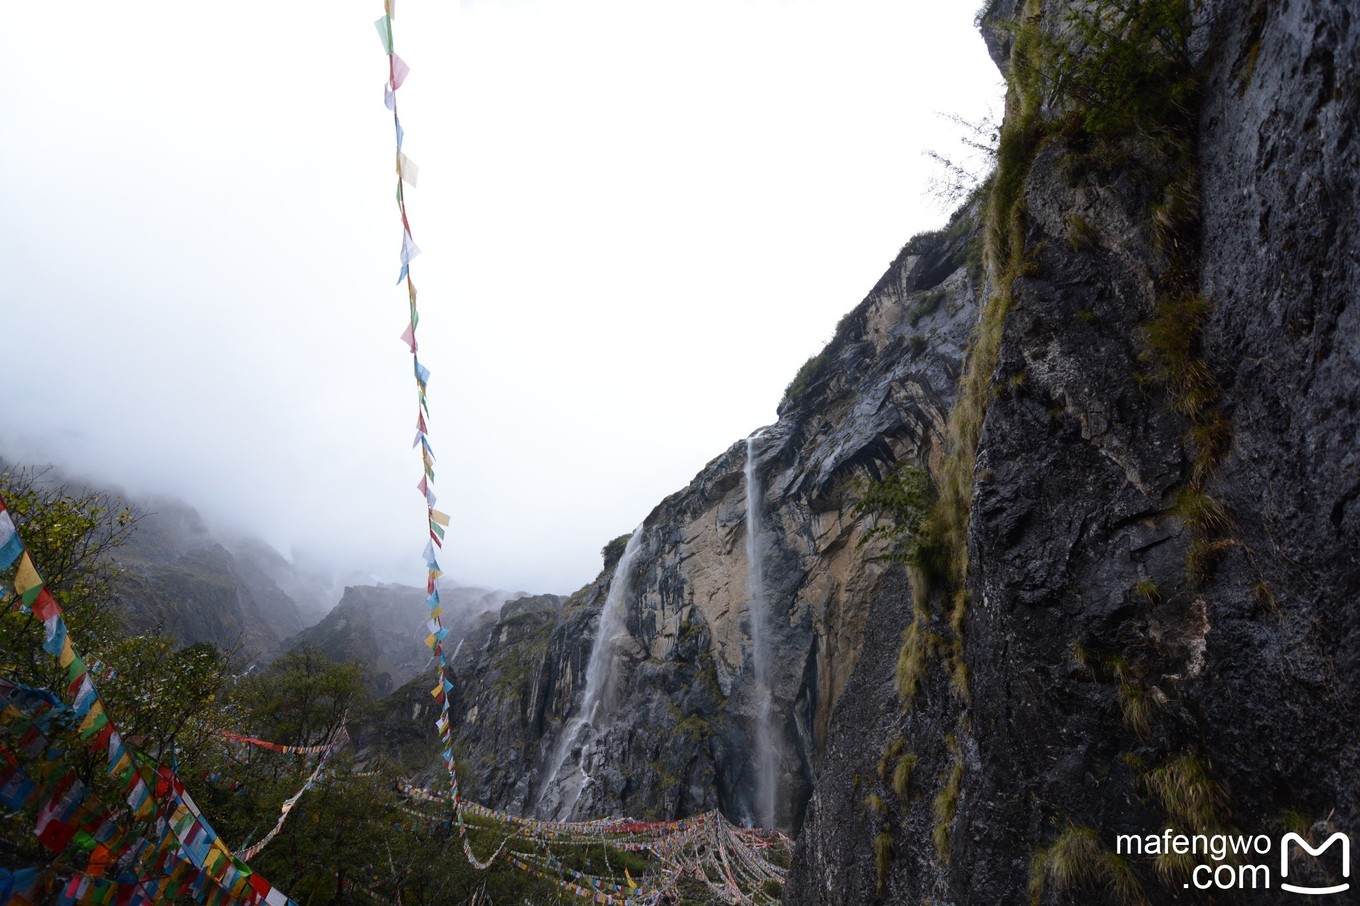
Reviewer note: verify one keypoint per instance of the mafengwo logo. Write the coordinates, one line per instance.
(1225, 862)
(1298, 841)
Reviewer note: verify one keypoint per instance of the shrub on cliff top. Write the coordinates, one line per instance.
(805, 377)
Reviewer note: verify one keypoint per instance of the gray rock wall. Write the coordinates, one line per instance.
(1113, 644)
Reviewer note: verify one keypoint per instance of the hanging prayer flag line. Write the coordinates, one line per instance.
(408, 174)
(384, 26)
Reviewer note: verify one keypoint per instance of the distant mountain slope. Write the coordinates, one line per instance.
(205, 595)
(382, 627)
(181, 579)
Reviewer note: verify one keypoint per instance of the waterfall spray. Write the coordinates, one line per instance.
(767, 759)
(593, 713)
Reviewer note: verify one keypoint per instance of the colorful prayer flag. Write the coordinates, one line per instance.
(10, 545)
(408, 169)
(384, 27)
(399, 72)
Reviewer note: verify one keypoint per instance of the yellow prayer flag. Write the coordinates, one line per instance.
(68, 652)
(441, 518)
(27, 577)
(123, 763)
(96, 709)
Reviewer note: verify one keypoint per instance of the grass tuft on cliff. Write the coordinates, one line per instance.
(1079, 861)
(947, 800)
(1188, 793)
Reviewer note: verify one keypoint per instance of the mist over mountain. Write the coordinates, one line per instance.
(183, 578)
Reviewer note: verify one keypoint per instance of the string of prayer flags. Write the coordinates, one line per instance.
(437, 523)
(10, 545)
(286, 749)
(407, 169)
(399, 71)
(25, 886)
(64, 807)
(251, 852)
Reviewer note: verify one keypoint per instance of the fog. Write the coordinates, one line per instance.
(637, 220)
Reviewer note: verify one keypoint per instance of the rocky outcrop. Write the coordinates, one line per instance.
(678, 735)
(378, 627)
(381, 628)
(500, 671)
(1160, 617)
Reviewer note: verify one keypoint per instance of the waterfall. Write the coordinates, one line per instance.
(595, 703)
(767, 757)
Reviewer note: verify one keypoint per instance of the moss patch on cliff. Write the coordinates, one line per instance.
(516, 664)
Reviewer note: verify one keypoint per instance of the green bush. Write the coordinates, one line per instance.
(804, 379)
(612, 551)
(926, 305)
(1125, 67)
(898, 504)
(883, 853)
(901, 779)
(947, 804)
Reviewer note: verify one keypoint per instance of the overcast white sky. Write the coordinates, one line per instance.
(638, 218)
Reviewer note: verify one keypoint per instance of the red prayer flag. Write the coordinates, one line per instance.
(45, 606)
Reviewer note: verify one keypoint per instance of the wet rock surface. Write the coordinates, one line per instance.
(1083, 609)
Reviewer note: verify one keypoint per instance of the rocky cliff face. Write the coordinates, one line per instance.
(678, 732)
(1157, 622)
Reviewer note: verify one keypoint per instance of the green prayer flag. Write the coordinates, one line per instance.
(384, 27)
